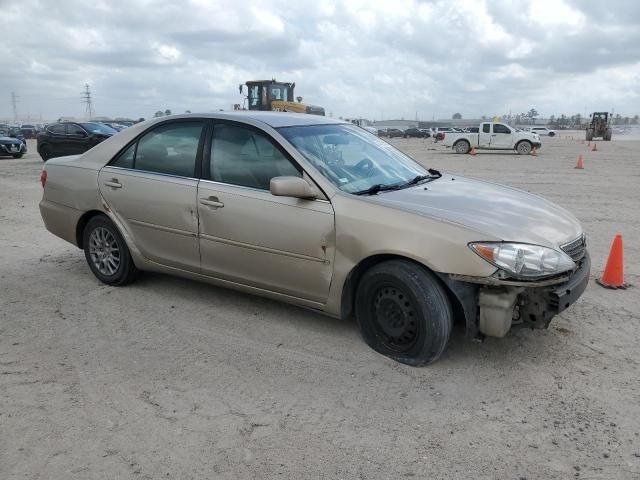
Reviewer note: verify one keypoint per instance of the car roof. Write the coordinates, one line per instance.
(273, 119)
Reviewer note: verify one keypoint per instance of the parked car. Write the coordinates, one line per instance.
(70, 138)
(392, 132)
(317, 212)
(16, 132)
(541, 131)
(10, 145)
(29, 131)
(372, 130)
(415, 133)
(116, 126)
(493, 136)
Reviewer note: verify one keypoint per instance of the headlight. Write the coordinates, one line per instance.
(522, 260)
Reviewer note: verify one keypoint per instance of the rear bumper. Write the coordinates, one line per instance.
(60, 220)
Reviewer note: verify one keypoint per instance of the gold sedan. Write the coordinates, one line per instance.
(322, 214)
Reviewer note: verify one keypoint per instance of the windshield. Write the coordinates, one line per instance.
(351, 158)
(98, 128)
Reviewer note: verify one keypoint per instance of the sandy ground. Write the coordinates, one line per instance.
(173, 379)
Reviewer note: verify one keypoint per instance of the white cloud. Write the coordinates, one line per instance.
(367, 58)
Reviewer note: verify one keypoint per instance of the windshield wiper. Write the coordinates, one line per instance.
(378, 187)
(381, 187)
(420, 178)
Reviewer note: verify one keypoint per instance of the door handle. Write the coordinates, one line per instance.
(114, 183)
(212, 202)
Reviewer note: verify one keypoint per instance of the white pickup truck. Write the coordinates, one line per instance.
(493, 136)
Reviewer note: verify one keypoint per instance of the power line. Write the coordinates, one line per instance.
(14, 103)
(86, 98)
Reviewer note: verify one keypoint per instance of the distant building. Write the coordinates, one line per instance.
(401, 124)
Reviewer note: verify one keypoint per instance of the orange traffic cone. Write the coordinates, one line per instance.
(594, 149)
(580, 163)
(613, 276)
(534, 152)
(473, 151)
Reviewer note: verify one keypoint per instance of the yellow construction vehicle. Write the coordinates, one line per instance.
(271, 95)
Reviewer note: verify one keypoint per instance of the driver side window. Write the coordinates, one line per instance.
(246, 157)
(500, 128)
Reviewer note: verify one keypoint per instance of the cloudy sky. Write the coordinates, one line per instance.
(357, 58)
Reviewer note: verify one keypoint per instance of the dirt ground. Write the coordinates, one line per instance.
(169, 378)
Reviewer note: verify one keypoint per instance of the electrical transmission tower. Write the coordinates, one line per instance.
(86, 98)
(14, 104)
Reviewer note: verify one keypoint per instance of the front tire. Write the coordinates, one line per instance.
(107, 253)
(589, 135)
(404, 312)
(17, 155)
(524, 148)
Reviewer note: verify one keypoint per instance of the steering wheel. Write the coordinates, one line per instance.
(363, 166)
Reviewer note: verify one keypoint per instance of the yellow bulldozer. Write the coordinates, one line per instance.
(274, 96)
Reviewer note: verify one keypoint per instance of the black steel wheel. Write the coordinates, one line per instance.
(394, 318)
(404, 312)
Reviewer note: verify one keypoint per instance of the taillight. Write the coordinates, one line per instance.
(43, 177)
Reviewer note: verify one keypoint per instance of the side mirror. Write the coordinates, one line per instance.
(295, 187)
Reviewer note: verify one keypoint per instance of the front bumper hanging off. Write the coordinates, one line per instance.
(492, 306)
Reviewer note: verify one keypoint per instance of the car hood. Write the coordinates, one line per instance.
(495, 211)
(9, 140)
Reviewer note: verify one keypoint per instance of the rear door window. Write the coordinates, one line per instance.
(486, 128)
(170, 149)
(73, 129)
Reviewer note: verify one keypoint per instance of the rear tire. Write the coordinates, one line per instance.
(524, 147)
(45, 153)
(404, 312)
(107, 253)
(607, 135)
(462, 146)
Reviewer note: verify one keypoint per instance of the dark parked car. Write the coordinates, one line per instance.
(392, 132)
(416, 133)
(10, 145)
(70, 138)
(29, 131)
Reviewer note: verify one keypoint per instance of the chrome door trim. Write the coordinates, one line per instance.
(252, 189)
(164, 229)
(262, 249)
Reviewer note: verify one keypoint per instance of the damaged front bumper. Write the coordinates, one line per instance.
(491, 306)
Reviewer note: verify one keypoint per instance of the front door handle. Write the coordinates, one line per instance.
(212, 202)
(114, 183)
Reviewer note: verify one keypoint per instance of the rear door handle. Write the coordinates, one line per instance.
(114, 183)
(212, 202)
